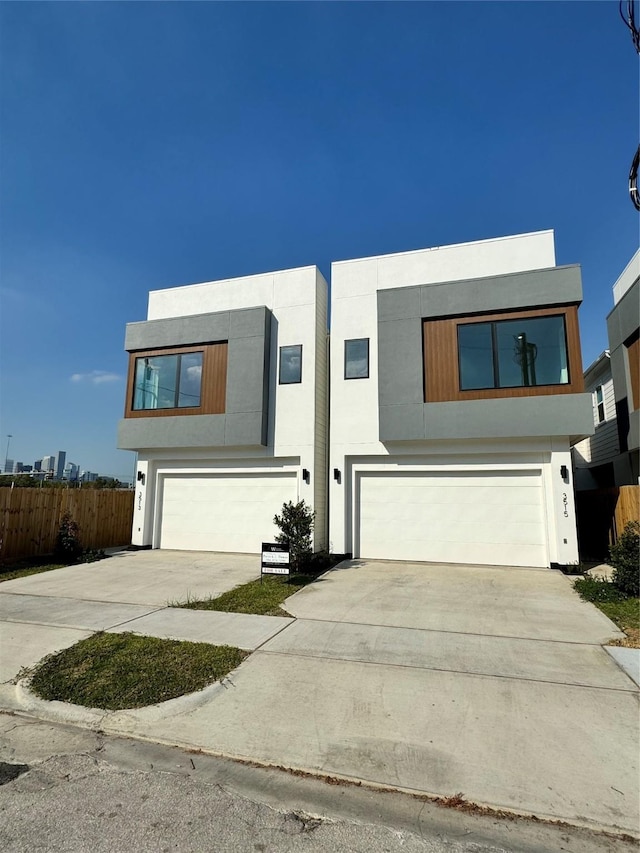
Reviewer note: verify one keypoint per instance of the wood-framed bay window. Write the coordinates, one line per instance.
(188, 380)
(506, 354)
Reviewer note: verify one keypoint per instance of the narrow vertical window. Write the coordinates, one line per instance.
(599, 401)
(356, 358)
(291, 364)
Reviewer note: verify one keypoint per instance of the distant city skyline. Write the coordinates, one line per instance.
(57, 465)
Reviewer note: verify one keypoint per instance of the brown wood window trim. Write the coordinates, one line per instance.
(633, 355)
(213, 385)
(440, 357)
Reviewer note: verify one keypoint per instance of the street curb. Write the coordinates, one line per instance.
(96, 718)
(123, 723)
(627, 659)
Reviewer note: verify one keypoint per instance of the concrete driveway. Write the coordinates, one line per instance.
(489, 682)
(150, 578)
(437, 679)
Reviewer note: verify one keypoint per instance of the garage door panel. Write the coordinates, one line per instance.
(493, 517)
(441, 513)
(222, 512)
(453, 494)
(473, 534)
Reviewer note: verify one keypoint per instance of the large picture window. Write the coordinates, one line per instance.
(167, 381)
(513, 353)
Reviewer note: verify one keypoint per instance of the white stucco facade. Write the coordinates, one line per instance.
(224, 498)
(486, 497)
(425, 484)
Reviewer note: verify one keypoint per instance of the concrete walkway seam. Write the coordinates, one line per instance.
(279, 653)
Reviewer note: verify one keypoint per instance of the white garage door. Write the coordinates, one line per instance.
(488, 517)
(230, 512)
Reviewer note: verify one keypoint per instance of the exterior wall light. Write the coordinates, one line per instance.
(564, 472)
(141, 477)
(336, 475)
(306, 476)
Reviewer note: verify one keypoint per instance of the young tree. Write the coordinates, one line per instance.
(296, 525)
(68, 547)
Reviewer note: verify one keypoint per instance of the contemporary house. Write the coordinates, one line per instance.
(610, 456)
(624, 344)
(456, 392)
(593, 457)
(226, 407)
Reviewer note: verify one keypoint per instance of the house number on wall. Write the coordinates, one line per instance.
(139, 500)
(565, 502)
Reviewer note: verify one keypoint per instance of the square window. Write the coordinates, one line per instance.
(167, 381)
(291, 364)
(356, 359)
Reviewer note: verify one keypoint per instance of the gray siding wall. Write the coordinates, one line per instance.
(604, 443)
(245, 421)
(622, 322)
(403, 415)
(556, 286)
(507, 417)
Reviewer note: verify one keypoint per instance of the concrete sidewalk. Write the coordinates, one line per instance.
(47, 612)
(34, 626)
(431, 679)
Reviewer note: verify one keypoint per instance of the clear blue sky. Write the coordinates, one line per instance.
(147, 145)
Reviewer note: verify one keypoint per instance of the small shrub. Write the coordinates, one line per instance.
(317, 563)
(296, 525)
(597, 589)
(624, 556)
(68, 547)
(573, 569)
(91, 555)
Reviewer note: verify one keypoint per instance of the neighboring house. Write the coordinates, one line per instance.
(594, 457)
(227, 409)
(456, 392)
(624, 344)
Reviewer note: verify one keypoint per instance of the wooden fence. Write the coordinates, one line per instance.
(602, 515)
(30, 518)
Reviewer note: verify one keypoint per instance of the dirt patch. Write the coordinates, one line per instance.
(631, 641)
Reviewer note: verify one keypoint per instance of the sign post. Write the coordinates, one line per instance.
(274, 559)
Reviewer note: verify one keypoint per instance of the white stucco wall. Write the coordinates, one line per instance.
(354, 403)
(297, 299)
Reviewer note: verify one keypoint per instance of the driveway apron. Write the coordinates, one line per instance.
(491, 683)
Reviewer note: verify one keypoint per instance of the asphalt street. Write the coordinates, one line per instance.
(73, 790)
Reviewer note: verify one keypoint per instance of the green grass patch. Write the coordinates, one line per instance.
(36, 565)
(117, 671)
(626, 614)
(23, 570)
(598, 590)
(259, 597)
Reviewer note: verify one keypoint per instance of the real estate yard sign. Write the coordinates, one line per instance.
(275, 559)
